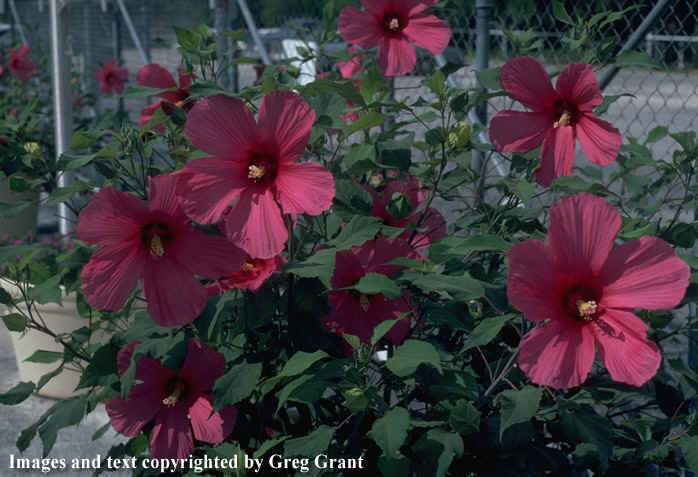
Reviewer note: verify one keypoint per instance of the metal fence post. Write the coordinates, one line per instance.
(482, 61)
(62, 105)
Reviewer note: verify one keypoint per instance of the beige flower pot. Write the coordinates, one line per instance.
(25, 222)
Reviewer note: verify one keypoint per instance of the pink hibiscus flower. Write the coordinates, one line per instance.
(20, 64)
(111, 77)
(179, 403)
(154, 243)
(432, 227)
(358, 314)
(255, 164)
(155, 76)
(392, 25)
(352, 67)
(580, 288)
(251, 276)
(560, 116)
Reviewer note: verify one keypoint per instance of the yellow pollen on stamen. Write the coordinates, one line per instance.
(587, 309)
(564, 120)
(255, 172)
(180, 104)
(171, 400)
(246, 267)
(157, 250)
(394, 24)
(365, 303)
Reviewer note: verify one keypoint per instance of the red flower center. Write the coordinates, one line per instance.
(392, 23)
(261, 169)
(155, 237)
(176, 390)
(566, 113)
(582, 303)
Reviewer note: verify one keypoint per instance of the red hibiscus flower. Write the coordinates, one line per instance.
(252, 274)
(352, 67)
(391, 25)
(581, 289)
(111, 78)
(560, 116)
(358, 314)
(179, 403)
(20, 64)
(155, 76)
(257, 164)
(156, 244)
(421, 231)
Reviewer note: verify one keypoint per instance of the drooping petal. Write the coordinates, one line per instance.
(577, 83)
(599, 139)
(155, 76)
(208, 186)
(531, 286)
(624, 349)
(112, 275)
(111, 217)
(305, 188)
(256, 225)
(644, 273)
(558, 354)
(429, 32)
(557, 155)
(527, 82)
(208, 255)
(413, 7)
(285, 122)
(202, 366)
(519, 131)
(129, 416)
(396, 56)
(209, 426)
(174, 296)
(172, 434)
(359, 27)
(221, 126)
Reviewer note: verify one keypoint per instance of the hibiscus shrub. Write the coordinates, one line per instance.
(321, 269)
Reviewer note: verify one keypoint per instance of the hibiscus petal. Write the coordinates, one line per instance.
(172, 434)
(644, 273)
(210, 256)
(129, 416)
(433, 229)
(148, 370)
(221, 126)
(531, 286)
(209, 426)
(174, 296)
(155, 76)
(111, 217)
(208, 186)
(429, 32)
(112, 274)
(162, 195)
(305, 188)
(577, 83)
(557, 155)
(624, 348)
(202, 366)
(557, 354)
(519, 131)
(285, 122)
(347, 269)
(147, 114)
(599, 139)
(527, 82)
(256, 225)
(582, 230)
(359, 27)
(396, 56)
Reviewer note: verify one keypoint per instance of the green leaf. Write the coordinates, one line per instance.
(585, 425)
(142, 91)
(377, 283)
(269, 445)
(636, 58)
(410, 355)
(689, 448)
(43, 356)
(15, 322)
(68, 412)
(489, 78)
(382, 329)
(369, 120)
(465, 418)
(310, 445)
(486, 331)
(657, 134)
(517, 406)
(393, 467)
(437, 442)
(63, 194)
(236, 385)
(560, 13)
(390, 431)
(301, 361)
(17, 394)
(399, 206)
(69, 162)
(13, 209)
(320, 264)
(461, 288)
(359, 230)
(436, 82)
(82, 140)
(360, 154)
(46, 292)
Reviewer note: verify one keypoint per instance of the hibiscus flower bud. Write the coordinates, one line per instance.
(459, 137)
(32, 148)
(399, 206)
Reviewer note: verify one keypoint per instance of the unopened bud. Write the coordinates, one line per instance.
(32, 148)
(459, 137)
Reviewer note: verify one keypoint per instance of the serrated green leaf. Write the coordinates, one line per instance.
(410, 355)
(390, 431)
